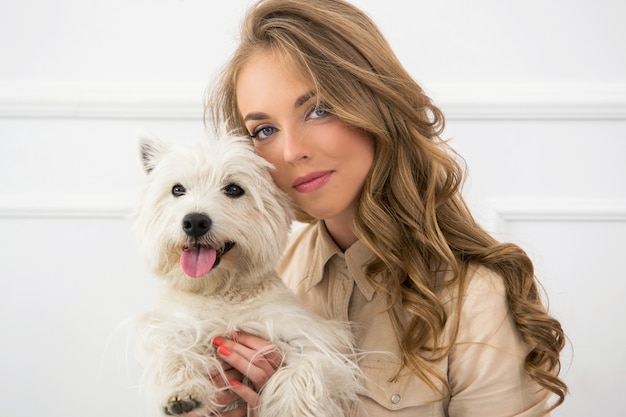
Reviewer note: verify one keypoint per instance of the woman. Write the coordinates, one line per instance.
(390, 244)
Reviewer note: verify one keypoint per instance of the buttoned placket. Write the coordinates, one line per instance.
(342, 287)
(342, 294)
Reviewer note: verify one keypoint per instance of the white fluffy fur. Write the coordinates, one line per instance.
(243, 293)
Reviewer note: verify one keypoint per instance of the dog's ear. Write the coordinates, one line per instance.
(150, 147)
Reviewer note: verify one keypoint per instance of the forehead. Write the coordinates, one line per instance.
(269, 76)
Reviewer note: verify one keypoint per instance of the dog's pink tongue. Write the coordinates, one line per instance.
(197, 261)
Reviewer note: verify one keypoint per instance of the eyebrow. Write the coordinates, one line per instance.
(304, 98)
(299, 102)
(255, 116)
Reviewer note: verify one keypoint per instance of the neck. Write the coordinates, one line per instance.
(342, 232)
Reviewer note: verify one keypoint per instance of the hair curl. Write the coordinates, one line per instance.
(410, 212)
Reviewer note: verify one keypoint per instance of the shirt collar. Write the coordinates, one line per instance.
(355, 257)
(324, 248)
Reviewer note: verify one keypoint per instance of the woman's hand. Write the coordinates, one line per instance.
(252, 357)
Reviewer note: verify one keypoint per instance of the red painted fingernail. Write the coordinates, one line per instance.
(234, 383)
(218, 341)
(223, 350)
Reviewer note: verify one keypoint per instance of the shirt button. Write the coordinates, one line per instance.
(395, 399)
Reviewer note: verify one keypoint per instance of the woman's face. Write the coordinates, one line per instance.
(320, 161)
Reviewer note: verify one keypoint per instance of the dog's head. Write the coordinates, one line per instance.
(209, 213)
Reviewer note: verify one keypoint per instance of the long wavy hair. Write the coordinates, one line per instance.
(410, 212)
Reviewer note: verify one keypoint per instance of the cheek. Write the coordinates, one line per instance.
(281, 179)
(357, 148)
(267, 151)
(274, 156)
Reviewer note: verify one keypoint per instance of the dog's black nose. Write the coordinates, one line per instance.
(196, 224)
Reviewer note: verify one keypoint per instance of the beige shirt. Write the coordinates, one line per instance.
(484, 368)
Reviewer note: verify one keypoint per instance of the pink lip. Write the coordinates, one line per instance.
(311, 182)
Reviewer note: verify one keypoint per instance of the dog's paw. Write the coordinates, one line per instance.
(177, 406)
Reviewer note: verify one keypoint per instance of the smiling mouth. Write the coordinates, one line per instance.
(197, 260)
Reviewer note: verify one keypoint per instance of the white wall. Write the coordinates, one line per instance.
(535, 94)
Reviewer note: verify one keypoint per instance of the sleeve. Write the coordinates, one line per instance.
(486, 366)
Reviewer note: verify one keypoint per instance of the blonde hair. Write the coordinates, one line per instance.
(410, 212)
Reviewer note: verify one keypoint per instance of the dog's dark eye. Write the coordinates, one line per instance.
(233, 191)
(178, 190)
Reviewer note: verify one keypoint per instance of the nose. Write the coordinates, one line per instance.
(196, 224)
(295, 145)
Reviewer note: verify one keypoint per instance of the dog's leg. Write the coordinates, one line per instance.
(179, 380)
(185, 384)
(177, 366)
(310, 385)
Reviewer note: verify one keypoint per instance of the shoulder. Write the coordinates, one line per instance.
(480, 282)
(480, 306)
(478, 311)
(484, 309)
(483, 282)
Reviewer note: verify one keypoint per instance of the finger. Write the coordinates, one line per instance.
(267, 349)
(246, 393)
(240, 411)
(221, 378)
(223, 365)
(225, 396)
(224, 399)
(258, 372)
(247, 361)
(257, 350)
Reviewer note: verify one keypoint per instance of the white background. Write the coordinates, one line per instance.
(534, 91)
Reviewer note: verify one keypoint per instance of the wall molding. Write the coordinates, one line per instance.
(91, 100)
(183, 100)
(501, 211)
(532, 101)
(498, 212)
(79, 207)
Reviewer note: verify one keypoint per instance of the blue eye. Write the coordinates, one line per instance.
(262, 132)
(319, 112)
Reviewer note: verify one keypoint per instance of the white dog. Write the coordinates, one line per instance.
(212, 225)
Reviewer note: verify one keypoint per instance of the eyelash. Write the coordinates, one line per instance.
(257, 131)
(320, 106)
